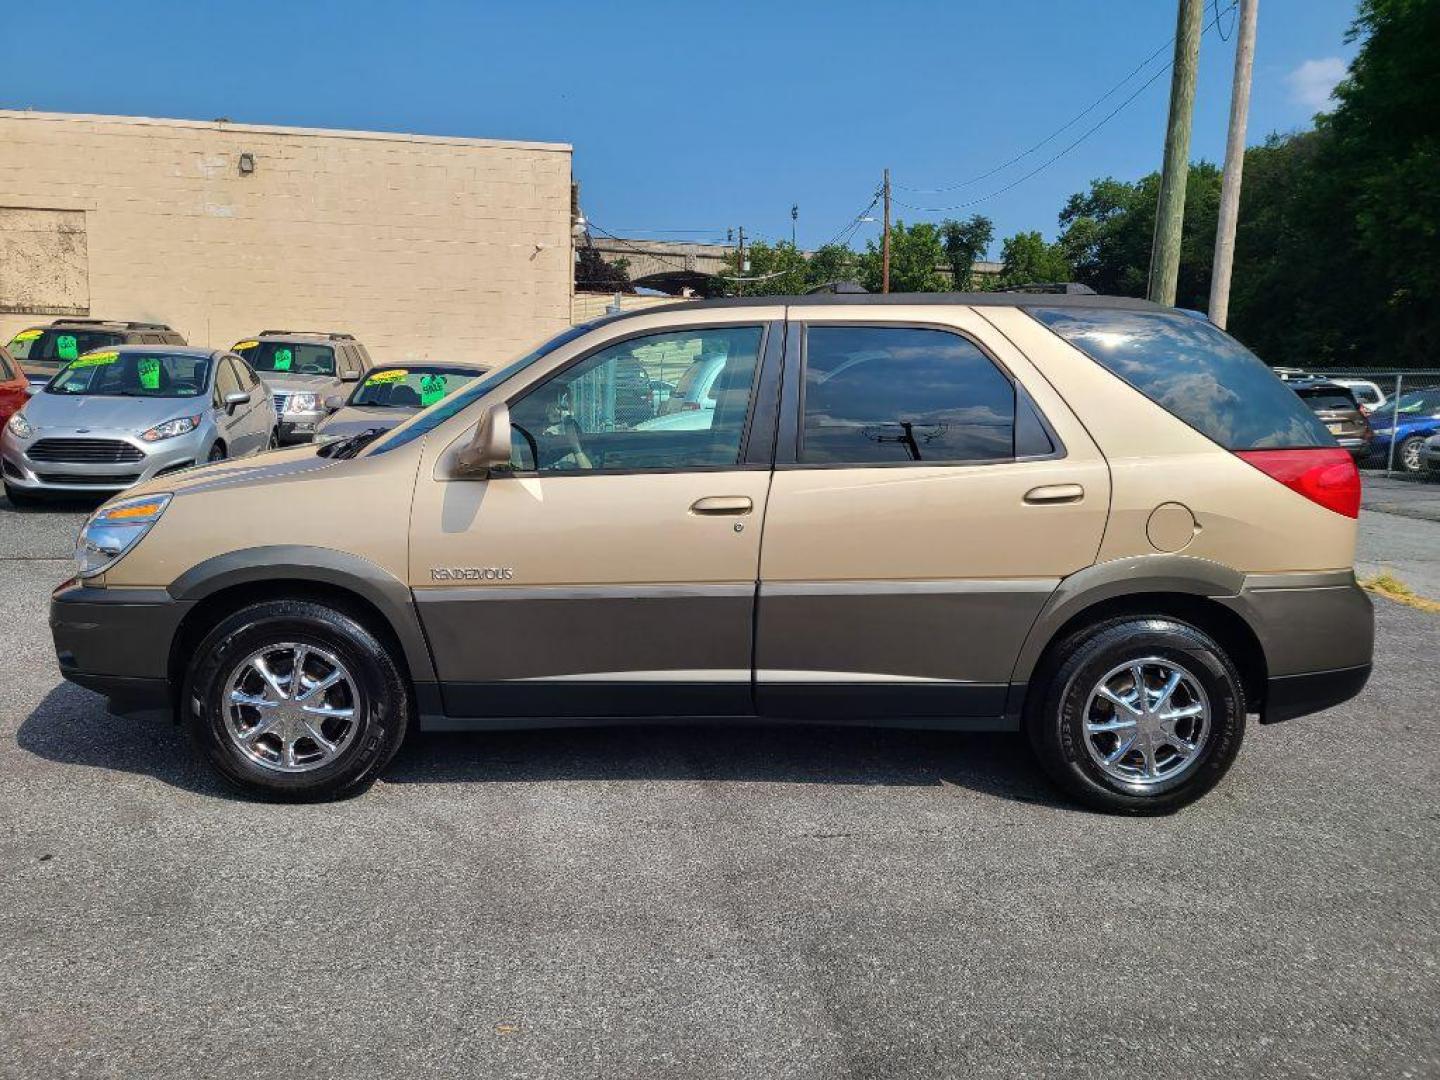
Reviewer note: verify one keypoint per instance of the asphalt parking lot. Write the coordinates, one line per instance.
(711, 902)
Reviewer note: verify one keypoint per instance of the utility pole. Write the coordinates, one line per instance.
(1170, 211)
(794, 217)
(1234, 166)
(885, 240)
(740, 262)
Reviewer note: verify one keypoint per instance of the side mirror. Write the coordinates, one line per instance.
(236, 398)
(350, 376)
(489, 448)
(334, 402)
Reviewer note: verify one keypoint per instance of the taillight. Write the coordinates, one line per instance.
(690, 406)
(1326, 476)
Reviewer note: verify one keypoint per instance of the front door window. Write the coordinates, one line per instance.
(609, 412)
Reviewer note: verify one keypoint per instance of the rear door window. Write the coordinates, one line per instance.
(892, 395)
(1196, 372)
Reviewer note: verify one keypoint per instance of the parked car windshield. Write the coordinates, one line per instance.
(287, 357)
(1419, 403)
(437, 414)
(133, 374)
(413, 386)
(57, 347)
(1196, 372)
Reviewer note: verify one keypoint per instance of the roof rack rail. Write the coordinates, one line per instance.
(331, 334)
(1047, 288)
(76, 321)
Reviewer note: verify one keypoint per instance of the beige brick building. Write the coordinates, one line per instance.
(424, 247)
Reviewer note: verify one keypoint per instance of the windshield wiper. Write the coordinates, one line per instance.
(341, 449)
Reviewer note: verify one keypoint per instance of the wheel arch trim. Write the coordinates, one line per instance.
(307, 565)
(1117, 579)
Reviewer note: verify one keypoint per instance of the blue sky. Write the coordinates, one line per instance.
(699, 117)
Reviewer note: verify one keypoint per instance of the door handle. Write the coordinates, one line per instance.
(1054, 493)
(722, 504)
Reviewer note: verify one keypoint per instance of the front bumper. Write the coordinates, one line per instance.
(117, 643)
(298, 427)
(24, 473)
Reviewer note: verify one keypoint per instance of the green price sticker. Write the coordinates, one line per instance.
(149, 370)
(283, 359)
(381, 378)
(65, 347)
(95, 359)
(432, 389)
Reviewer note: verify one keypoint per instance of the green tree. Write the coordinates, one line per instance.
(1028, 259)
(915, 257)
(1108, 230)
(965, 243)
(594, 274)
(830, 263)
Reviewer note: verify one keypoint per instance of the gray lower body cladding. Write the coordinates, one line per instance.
(913, 654)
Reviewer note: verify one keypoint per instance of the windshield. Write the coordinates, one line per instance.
(410, 387)
(1423, 402)
(287, 357)
(437, 414)
(133, 374)
(57, 347)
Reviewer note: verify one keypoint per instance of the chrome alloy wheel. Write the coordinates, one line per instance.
(291, 707)
(1146, 721)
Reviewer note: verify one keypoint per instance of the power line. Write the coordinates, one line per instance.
(1064, 127)
(1051, 160)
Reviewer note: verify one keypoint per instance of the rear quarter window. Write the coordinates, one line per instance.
(1196, 372)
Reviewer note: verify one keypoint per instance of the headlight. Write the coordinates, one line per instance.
(181, 425)
(303, 403)
(20, 427)
(114, 529)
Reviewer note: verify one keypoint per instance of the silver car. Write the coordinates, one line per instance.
(117, 417)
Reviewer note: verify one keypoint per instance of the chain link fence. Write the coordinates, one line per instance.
(1403, 408)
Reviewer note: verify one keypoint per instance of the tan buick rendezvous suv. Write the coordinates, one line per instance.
(1098, 522)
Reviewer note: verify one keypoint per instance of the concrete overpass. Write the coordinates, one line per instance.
(671, 265)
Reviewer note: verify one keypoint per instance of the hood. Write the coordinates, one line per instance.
(284, 380)
(57, 414)
(352, 420)
(260, 468)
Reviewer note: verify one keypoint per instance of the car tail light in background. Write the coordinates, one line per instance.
(1326, 476)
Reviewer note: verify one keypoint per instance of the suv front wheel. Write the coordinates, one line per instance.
(295, 700)
(1137, 715)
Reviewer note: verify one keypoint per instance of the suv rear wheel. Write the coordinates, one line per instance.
(1137, 715)
(295, 700)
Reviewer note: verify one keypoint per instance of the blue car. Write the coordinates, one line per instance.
(1419, 418)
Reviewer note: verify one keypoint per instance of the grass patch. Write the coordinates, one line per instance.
(1388, 585)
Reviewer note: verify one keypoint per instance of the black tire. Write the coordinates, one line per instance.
(382, 711)
(1055, 712)
(1413, 447)
(19, 499)
(217, 453)
(274, 442)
